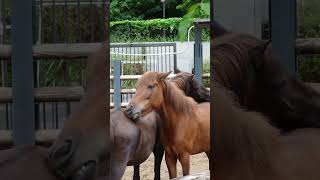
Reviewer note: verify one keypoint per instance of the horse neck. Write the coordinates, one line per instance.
(174, 104)
(242, 139)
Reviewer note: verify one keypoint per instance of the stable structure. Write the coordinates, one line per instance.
(28, 39)
(266, 19)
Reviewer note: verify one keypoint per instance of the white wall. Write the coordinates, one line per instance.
(185, 61)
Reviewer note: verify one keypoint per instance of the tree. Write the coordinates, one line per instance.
(143, 9)
(195, 9)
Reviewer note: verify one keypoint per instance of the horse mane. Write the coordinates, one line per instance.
(177, 98)
(241, 137)
(233, 63)
(191, 87)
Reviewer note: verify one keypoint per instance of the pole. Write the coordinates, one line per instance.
(22, 72)
(164, 15)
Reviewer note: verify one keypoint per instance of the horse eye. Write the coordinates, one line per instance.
(150, 86)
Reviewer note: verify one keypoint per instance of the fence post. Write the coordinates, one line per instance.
(283, 32)
(22, 71)
(117, 83)
(175, 58)
(198, 54)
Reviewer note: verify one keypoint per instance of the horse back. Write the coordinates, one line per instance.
(25, 163)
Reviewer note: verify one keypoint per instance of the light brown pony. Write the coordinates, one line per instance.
(83, 143)
(184, 124)
(248, 147)
(82, 146)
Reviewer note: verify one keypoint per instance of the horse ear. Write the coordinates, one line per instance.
(163, 76)
(193, 77)
(176, 70)
(257, 54)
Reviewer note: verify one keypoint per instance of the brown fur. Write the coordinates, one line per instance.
(188, 84)
(184, 125)
(248, 67)
(248, 147)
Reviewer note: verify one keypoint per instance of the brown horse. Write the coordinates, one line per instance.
(131, 142)
(184, 124)
(188, 84)
(247, 66)
(248, 147)
(83, 143)
(25, 163)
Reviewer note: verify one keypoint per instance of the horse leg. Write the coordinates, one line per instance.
(209, 157)
(171, 162)
(184, 159)
(117, 169)
(136, 172)
(158, 152)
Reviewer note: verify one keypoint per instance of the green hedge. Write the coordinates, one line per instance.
(147, 30)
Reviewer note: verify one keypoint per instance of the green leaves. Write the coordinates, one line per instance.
(197, 9)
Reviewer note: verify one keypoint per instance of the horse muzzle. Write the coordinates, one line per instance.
(132, 112)
(60, 161)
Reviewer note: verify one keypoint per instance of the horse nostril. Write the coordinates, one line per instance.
(129, 108)
(63, 150)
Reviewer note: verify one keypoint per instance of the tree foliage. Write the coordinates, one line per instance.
(143, 9)
(196, 9)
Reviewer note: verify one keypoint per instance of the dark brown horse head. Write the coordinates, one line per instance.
(293, 104)
(82, 141)
(148, 96)
(191, 87)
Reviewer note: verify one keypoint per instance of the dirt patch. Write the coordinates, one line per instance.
(199, 163)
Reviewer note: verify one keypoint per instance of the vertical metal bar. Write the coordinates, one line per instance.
(1, 23)
(54, 21)
(166, 59)
(44, 115)
(91, 19)
(22, 72)
(198, 54)
(52, 110)
(65, 24)
(3, 20)
(104, 18)
(7, 117)
(175, 57)
(78, 20)
(56, 114)
(117, 83)
(283, 32)
(36, 73)
(40, 23)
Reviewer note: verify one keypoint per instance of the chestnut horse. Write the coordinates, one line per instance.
(188, 84)
(248, 147)
(184, 124)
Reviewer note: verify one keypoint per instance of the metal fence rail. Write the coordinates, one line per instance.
(54, 21)
(135, 65)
